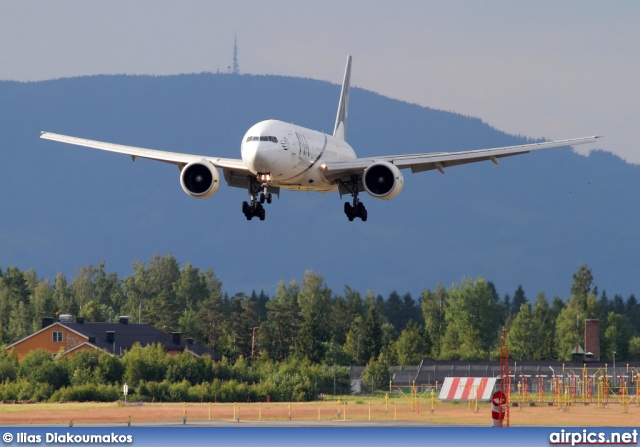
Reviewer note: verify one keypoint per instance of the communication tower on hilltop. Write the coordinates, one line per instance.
(236, 69)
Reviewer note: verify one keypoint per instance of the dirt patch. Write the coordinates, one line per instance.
(577, 414)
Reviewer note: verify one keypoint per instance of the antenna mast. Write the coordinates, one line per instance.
(236, 69)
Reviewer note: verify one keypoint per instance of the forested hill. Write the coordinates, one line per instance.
(532, 220)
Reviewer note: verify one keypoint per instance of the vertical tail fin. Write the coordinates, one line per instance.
(340, 130)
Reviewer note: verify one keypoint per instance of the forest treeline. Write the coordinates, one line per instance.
(307, 321)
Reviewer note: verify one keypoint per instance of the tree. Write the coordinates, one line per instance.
(94, 311)
(433, 311)
(107, 288)
(190, 288)
(544, 325)
(634, 349)
(83, 366)
(341, 318)
(110, 368)
(188, 322)
(616, 337)
(150, 291)
(472, 321)
(521, 338)
(519, 299)
(8, 365)
(308, 344)
(411, 347)
(375, 375)
(581, 306)
(314, 300)
(83, 286)
(43, 303)
(354, 344)
(569, 329)
(372, 337)
(506, 307)
(63, 297)
(144, 364)
(5, 311)
(410, 311)
(353, 301)
(16, 282)
(582, 282)
(632, 311)
(369, 300)
(393, 310)
(243, 317)
(20, 320)
(212, 314)
(261, 301)
(38, 366)
(278, 333)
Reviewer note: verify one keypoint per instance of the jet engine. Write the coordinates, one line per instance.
(200, 179)
(383, 180)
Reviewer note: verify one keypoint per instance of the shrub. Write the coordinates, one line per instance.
(86, 393)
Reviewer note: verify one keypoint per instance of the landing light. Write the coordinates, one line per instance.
(264, 177)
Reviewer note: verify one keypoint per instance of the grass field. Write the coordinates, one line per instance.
(356, 410)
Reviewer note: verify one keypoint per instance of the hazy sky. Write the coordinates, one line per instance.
(545, 68)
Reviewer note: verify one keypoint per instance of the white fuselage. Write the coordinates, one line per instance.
(292, 156)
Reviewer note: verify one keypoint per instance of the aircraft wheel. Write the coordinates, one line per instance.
(245, 207)
(363, 216)
(269, 198)
(347, 208)
(262, 197)
(262, 214)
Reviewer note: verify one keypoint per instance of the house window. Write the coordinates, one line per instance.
(57, 336)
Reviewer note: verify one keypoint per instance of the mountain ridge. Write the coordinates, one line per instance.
(531, 220)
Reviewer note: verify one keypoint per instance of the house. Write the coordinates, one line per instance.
(116, 338)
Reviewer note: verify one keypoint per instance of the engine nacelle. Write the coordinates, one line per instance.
(383, 180)
(200, 179)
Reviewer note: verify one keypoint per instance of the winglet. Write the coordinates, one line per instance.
(340, 130)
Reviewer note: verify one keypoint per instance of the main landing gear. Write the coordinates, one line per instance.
(254, 208)
(357, 209)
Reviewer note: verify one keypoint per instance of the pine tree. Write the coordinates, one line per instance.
(278, 333)
(308, 345)
(372, 339)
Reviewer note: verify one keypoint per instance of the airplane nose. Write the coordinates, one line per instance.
(249, 155)
(256, 158)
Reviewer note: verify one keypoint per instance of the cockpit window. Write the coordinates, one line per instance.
(272, 139)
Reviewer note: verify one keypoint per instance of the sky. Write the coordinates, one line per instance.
(542, 69)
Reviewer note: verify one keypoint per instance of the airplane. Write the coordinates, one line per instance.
(278, 155)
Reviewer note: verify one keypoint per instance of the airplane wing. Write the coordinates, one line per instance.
(176, 158)
(443, 160)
